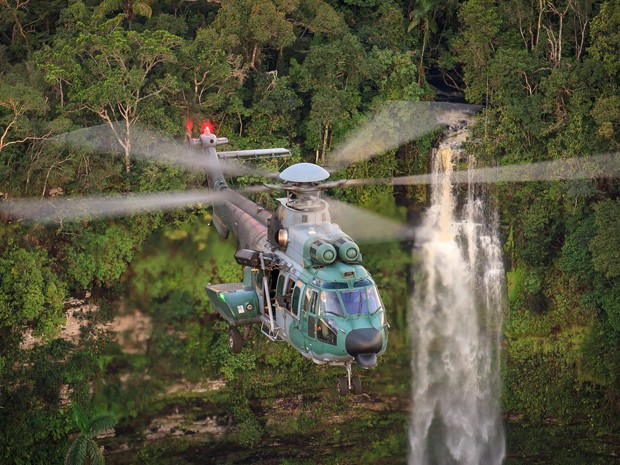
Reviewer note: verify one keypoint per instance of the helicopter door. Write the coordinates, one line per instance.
(290, 315)
(260, 292)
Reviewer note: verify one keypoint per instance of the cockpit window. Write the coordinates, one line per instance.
(355, 302)
(360, 301)
(333, 285)
(349, 302)
(374, 302)
(329, 304)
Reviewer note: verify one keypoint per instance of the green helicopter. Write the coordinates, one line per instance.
(304, 282)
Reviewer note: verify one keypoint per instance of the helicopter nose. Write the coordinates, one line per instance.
(364, 344)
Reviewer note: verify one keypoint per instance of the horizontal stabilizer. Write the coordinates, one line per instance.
(259, 153)
(235, 303)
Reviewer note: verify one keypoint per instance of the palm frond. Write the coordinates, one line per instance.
(77, 453)
(141, 8)
(107, 6)
(99, 423)
(79, 416)
(95, 454)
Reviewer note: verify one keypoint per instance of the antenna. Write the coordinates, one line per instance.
(256, 154)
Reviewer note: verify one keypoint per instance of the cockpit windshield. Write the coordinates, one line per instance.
(352, 302)
(360, 301)
(329, 304)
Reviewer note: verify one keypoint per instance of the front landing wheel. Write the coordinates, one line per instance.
(343, 386)
(235, 341)
(356, 385)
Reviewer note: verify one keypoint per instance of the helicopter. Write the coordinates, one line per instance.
(303, 278)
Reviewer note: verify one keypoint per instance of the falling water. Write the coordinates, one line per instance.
(456, 325)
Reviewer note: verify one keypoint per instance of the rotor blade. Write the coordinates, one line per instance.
(53, 209)
(366, 227)
(148, 146)
(597, 166)
(393, 125)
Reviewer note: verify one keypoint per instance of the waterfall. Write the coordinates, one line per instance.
(456, 321)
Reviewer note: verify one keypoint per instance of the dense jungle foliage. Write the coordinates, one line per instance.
(300, 74)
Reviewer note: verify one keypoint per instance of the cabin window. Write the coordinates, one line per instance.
(306, 301)
(313, 299)
(329, 304)
(312, 327)
(289, 286)
(326, 331)
(280, 288)
(295, 305)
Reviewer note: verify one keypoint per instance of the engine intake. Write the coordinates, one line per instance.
(322, 252)
(348, 251)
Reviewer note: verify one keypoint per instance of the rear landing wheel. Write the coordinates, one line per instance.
(356, 385)
(235, 341)
(343, 386)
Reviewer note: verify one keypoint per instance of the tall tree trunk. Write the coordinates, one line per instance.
(420, 64)
(325, 134)
(541, 8)
(127, 161)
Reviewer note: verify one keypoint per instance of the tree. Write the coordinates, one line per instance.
(113, 73)
(319, 17)
(130, 8)
(251, 26)
(31, 295)
(605, 245)
(605, 48)
(13, 13)
(423, 16)
(84, 449)
(18, 103)
(332, 73)
(213, 74)
(482, 23)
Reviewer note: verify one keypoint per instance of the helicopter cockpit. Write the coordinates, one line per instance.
(337, 299)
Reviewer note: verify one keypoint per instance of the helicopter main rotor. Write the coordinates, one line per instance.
(392, 125)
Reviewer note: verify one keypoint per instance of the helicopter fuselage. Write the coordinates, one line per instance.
(303, 278)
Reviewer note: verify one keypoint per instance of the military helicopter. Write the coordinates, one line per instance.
(303, 278)
(304, 282)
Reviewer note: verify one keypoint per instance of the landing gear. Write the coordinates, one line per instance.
(349, 383)
(235, 341)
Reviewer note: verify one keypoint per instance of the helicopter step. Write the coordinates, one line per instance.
(269, 330)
